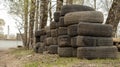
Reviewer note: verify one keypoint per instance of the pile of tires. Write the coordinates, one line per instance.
(53, 40)
(64, 31)
(40, 37)
(82, 34)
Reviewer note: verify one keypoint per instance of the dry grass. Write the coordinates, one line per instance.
(46, 60)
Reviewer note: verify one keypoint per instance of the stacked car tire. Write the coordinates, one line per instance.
(40, 41)
(77, 31)
(64, 40)
(86, 36)
(53, 40)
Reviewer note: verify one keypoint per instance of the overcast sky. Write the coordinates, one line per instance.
(7, 18)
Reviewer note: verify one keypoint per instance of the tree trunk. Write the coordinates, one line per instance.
(59, 5)
(31, 23)
(95, 4)
(37, 14)
(50, 11)
(25, 23)
(43, 13)
(114, 15)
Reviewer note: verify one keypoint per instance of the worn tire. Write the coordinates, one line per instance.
(55, 40)
(46, 48)
(74, 8)
(64, 41)
(56, 16)
(49, 41)
(53, 49)
(97, 52)
(53, 25)
(65, 51)
(85, 16)
(97, 30)
(72, 30)
(42, 38)
(39, 47)
(61, 22)
(74, 52)
(62, 31)
(85, 41)
(74, 42)
(37, 33)
(37, 39)
(54, 32)
(48, 33)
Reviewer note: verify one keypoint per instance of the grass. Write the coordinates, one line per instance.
(21, 52)
(47, 60)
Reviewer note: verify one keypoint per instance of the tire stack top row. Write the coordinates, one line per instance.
(84, 34)
(64, 40)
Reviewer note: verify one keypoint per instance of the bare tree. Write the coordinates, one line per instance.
(43, 13)
(114, 15)
(59, 5)
(25, 23)
(31, 23)
(37, 14)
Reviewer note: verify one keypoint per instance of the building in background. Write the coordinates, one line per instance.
(2, 24)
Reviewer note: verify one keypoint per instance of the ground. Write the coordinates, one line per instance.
(27, 58)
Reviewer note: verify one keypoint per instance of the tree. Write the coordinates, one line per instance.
(43, 13)
(59, 5)
(114, 15)
(26, 44)
(31, 23)
(37, 14)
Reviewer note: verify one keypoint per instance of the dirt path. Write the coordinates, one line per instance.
(8, 60)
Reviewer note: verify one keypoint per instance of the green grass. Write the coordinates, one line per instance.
(47, 60)
(21, 52)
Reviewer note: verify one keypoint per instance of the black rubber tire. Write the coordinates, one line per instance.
(56, 16)
(74, 8)
(42, 38)
(61, 22)
(53, 49)
(74, 42)
(85, 41)
(97, 30)
(49, 41)
(62, 31)
(46, 48)
(39, 47)
(74, 52)
(103, 52)
(55, 40)
(85, 16)
(72, 30)
(42, 32)
(53, 25)
(65, 51)
(37, 39)
(54, 32)
(37, 33)
(48, 33)
(64, 41)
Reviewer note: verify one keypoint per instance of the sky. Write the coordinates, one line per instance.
(9, 21)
